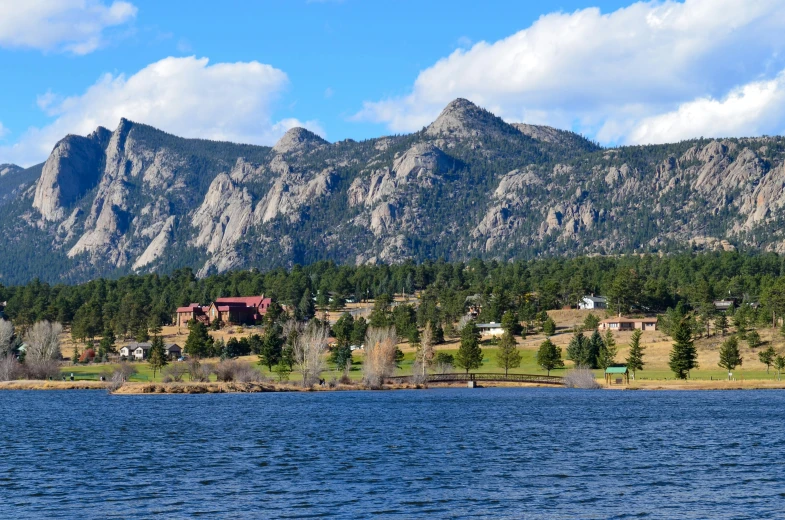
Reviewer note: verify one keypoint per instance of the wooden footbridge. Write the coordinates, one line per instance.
(478, 378)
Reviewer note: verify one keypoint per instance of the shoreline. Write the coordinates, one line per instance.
(214, 387)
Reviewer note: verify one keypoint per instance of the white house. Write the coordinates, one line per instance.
(490, 329)
(593, 302)
(136, 351)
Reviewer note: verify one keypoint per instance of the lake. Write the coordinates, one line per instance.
(443, 453)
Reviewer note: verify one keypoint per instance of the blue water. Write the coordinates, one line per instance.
(452, 453)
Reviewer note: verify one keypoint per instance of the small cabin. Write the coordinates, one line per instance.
(490, 329)
(593, 302)
(618, 375)
(173, 351)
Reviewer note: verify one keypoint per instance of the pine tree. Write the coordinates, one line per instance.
(767, 357)
(508, 356)
(157, 355)
(608, 350)
(272, 346)
(511, 323)
(730, 357)
(549, 327)
(596, 345)
(106, 346)
(578, 350)
(683, 356)
(198, 343)
(753, 339)
(779, 364)
(721, 323)
(549, 356)
(469, 355)
(635, 356)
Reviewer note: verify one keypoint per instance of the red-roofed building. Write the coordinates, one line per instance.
(239, 310)
(192, 312)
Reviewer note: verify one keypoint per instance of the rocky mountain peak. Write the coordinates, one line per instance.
(9, 169)
(463, 119)
(298, 140)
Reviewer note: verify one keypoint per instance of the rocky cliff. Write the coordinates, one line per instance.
(137, 199)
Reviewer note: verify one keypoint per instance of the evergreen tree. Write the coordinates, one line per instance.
(106, 346)
(469, 355)
(721, 323)
(608, 351)
(767, 357)
(683, 356)
(549, 356)
(730, 357)
(635, 356)
(578, 350)
(75, 355)
(508, 356)
(155, 324)
(341, 355)
(358, 331)
(779, 364)
(342, 330)
(596, 345)
(753, 339)
(198, 344)
(142, 335)
(157, 354)
(591, 322)
(271, 348)
(549, 327)
(511, 323)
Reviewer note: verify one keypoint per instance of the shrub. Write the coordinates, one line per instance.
(199, 372)
(581, 378)
(174, 372)
(116, 381)
(126, 370)
(10, 368)
(246, 373)
(379, 360)
(42, 369)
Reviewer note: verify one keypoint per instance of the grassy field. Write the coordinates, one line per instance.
(657, 345)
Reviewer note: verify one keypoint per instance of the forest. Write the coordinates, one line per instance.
(639, 284)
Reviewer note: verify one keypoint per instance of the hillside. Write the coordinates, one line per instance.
(136, 199)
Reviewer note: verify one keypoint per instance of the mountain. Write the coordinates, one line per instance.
(137, 199)
(15, 179)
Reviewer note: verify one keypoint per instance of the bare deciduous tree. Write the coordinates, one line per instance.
(43, 342)
(309, 352)
(425, 352)
(379, 359)
(6, 336)
(10, 368)
(174, 372)
(199, 372)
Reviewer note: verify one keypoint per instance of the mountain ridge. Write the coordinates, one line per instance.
(137, 199)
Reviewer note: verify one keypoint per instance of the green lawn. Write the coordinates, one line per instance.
(528, 366)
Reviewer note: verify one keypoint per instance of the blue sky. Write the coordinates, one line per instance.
(248, 70)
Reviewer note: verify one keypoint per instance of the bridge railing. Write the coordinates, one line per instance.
(458, 377)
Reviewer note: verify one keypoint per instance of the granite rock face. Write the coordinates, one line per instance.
(136, 199)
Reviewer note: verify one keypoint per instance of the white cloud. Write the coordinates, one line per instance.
(603, 74)
(183, 96)
(74, 26)
(754, 109)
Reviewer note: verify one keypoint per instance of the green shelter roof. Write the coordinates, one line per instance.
(616, 370)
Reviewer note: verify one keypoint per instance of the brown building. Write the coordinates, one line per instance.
(229, 311)
(620, 324)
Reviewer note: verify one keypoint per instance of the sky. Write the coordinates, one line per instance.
(247, 71)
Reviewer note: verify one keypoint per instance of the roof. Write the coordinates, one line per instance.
(173, 346)
(596, 299)
(248, 301)
(616, 370)
(629, 320)
(145, 345)
(491, 325)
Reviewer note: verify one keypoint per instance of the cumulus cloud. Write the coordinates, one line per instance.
(604, 73)
(754, 109)
(75, 26)
(184, 96)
